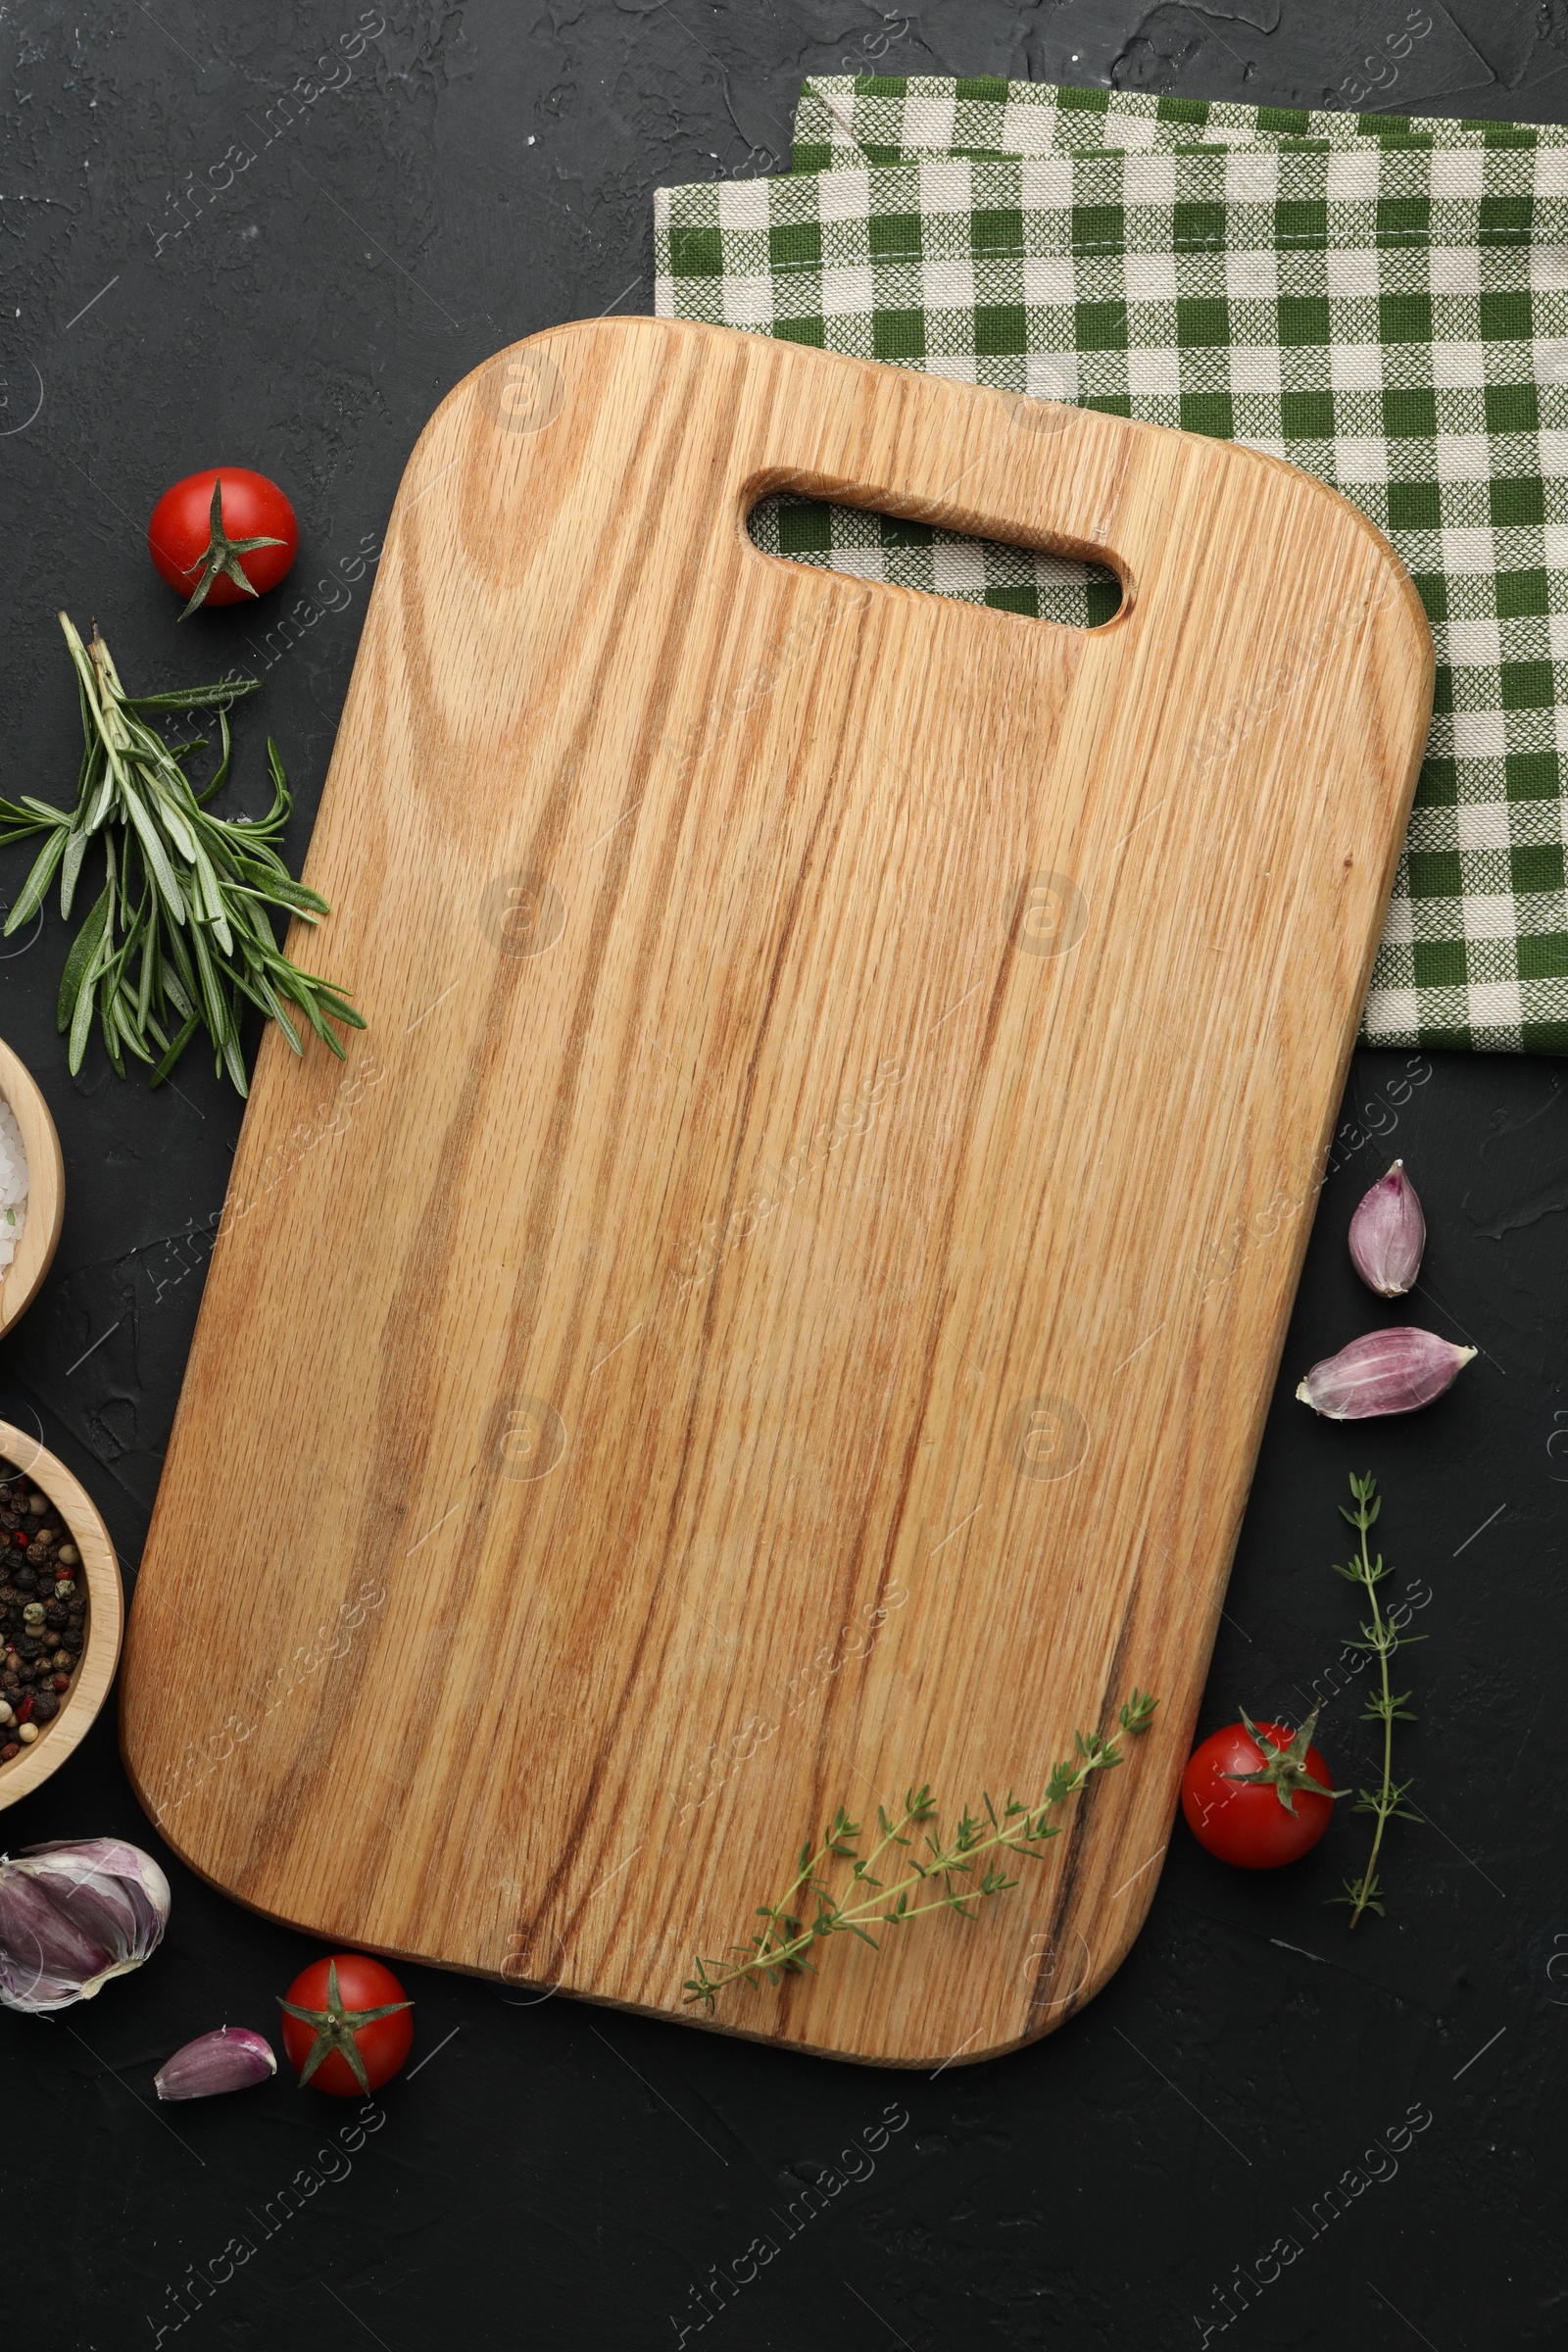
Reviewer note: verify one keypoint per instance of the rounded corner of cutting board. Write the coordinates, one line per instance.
(129, 1740)
(148, 1755)
(1348, 516)
(882, 2042)
(187, 1849)
(627, 330)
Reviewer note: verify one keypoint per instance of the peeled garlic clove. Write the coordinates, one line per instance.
(1387, 1372)
(232, 2058)
(1388, 1234)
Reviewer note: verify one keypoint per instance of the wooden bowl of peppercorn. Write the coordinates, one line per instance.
(61, 1613)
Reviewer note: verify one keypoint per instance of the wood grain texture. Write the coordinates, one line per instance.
(100, 1569)
(783, 1302)
(46, 1188)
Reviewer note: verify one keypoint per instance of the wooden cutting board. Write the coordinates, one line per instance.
(782, 1303)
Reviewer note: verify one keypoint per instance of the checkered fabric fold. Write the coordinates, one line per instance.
(879, 119)
(1389, 313)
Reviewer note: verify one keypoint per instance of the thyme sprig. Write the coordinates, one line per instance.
(181, 937)
(1381, 1638)
(957, 1873)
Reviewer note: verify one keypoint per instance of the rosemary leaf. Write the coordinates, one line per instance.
(192, 698)
(71, 868)
(81, 1017)
(210, 792)
(38, 881)
(177, 1048)
(84, 951)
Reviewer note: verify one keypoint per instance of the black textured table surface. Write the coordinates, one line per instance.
(550, 2174)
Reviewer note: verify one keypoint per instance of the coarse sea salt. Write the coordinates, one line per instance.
(13, 1185)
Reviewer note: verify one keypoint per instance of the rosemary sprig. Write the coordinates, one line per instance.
(181, 937)
(947, 1879)
(1381, 1638)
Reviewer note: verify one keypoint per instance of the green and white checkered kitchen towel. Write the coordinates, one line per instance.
(1387, 309)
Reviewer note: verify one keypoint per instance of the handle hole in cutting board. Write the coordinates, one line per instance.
(870, 544)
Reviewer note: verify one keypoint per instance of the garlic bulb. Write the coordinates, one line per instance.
(74, 1914)
(1386, 1372)
(230, 2059)
(1388, 1234)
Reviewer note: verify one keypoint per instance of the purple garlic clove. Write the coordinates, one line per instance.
(45, 1958)
(111, 1890)
(1387, 1372)
(1388, 1234)
(73, 1914)
(232, 2058)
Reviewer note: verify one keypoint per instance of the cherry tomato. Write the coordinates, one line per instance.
(222, 535)
(1257, 1795)
(347, 2026)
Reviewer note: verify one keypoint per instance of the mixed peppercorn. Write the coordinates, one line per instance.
(43, 1613)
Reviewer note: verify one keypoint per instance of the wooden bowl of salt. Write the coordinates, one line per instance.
(30, 1226)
